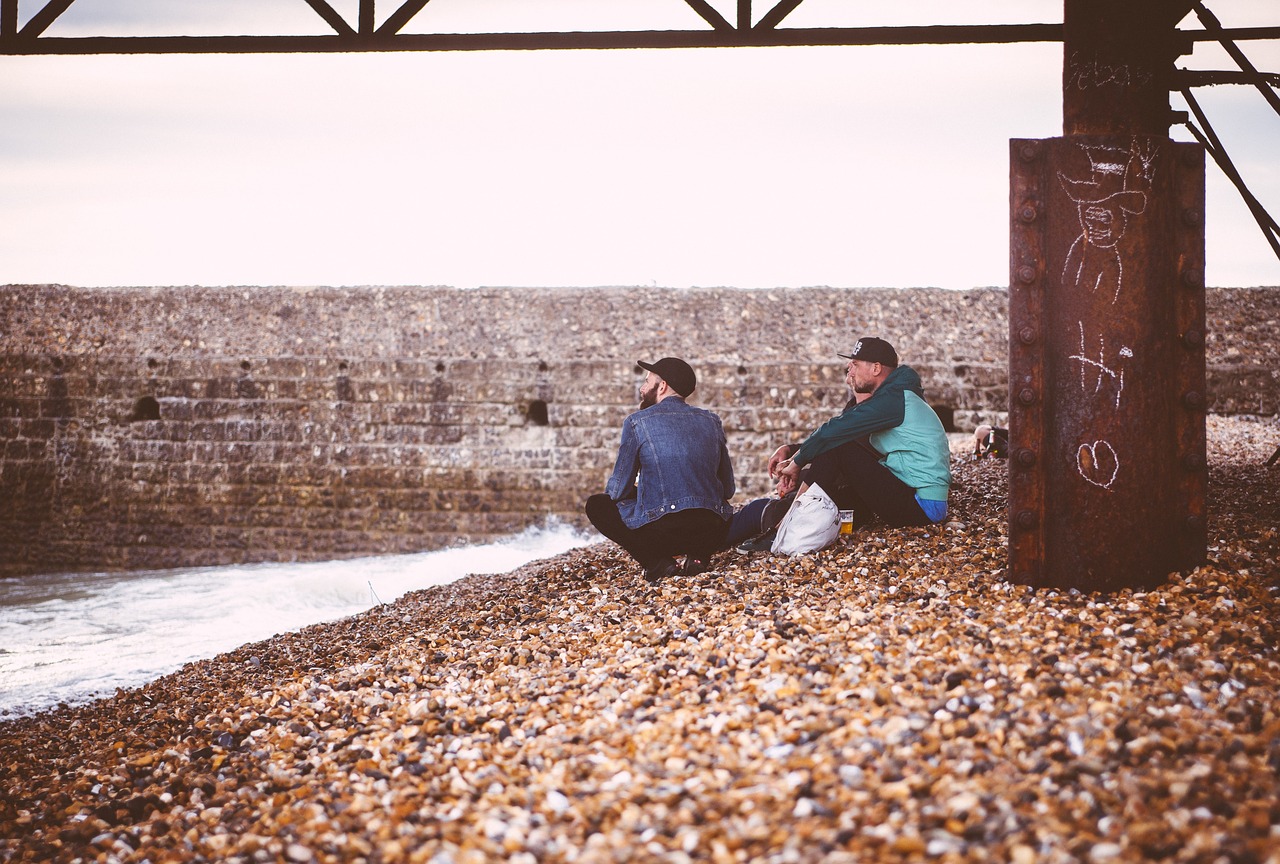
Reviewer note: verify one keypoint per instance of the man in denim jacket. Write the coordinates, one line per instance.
(671, 484)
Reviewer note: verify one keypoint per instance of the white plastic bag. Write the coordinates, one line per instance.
(812, 523)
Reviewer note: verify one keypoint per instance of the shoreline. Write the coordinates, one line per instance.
(74, 638)
(890, 700)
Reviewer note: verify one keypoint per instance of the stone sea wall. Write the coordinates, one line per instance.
(158, 427)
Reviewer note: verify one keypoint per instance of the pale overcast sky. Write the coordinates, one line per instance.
(859, 166)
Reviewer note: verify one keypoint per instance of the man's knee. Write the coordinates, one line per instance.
(836, 468)
(600, 507)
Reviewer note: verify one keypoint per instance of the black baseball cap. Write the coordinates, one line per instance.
(677, 373)
(872, 350)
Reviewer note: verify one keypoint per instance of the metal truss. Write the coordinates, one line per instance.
(365, 35)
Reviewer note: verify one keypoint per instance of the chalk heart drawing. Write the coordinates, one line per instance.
(1098, 463)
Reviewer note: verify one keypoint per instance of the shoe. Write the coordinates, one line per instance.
(774, 512)
(655, 573)
(763, 543)
(695, 566)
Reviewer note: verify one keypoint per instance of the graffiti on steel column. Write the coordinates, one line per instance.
(1109, 196)
(1104, 371)
(1098, 463)
(1115, 190)
(1085, 73)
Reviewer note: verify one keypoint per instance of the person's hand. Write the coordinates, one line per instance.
(785, 486)
(788, 471)
(779, 456)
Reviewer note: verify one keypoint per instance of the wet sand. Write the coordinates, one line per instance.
(894, 699)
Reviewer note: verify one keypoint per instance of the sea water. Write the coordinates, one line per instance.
(72, 638)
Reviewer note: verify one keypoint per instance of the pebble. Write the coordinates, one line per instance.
(889, 699)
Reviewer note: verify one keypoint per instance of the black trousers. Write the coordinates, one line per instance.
(696, 533)
(856, 480)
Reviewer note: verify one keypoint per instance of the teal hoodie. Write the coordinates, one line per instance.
(901, 427)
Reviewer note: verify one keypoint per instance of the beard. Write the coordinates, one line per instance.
(648, 398)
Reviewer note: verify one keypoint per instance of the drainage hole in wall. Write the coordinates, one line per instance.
(742, 370)
(244, 364)
(152, 362)
(537, 413)
(439, 367)
(146, 408)
(947, 415)
(342, 365)
(542, 365)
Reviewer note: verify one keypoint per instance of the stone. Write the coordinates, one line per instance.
(768, 710)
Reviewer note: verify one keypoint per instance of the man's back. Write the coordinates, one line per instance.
(680, 462)
(917, 450)
(669, 492)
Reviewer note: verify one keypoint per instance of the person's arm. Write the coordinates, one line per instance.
(622, 483)
(884, 410)
(782, 466)
(782, 454)
(788, 478)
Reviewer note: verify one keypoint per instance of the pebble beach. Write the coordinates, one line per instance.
(893, 698)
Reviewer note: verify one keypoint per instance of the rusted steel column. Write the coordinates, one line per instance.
(1117, 65)
(8, 17)
(1107, 475)
(1106, 361)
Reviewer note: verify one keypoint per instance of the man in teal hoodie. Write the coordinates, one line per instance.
(887, 455)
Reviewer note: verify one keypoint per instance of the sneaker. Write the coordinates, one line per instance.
(763, 543)
(655, 573)
(694, 566)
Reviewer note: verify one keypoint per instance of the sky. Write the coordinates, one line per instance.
(752, 168)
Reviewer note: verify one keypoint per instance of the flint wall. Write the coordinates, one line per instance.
(160, 427)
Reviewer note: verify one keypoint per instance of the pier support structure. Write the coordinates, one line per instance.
(1107, 475)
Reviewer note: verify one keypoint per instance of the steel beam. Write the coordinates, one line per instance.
(1212, 25)
(765, 34)
(401, 17)
(42, 19)
(379, 41)
(331, 17)
(774, 16)
(1107, 475)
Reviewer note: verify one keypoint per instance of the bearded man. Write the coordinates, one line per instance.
(887, 456)
(669, 492)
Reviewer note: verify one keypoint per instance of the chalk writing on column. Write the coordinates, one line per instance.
(1102, 371)
(1098, 463)
(1107, 198)
(1088, 74)
(1115, 189)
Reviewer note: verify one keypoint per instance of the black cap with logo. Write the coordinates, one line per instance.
(873, 350)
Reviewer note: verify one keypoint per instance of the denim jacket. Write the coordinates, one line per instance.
(673, 457)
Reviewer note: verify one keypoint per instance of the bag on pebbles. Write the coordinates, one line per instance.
(811, 524)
